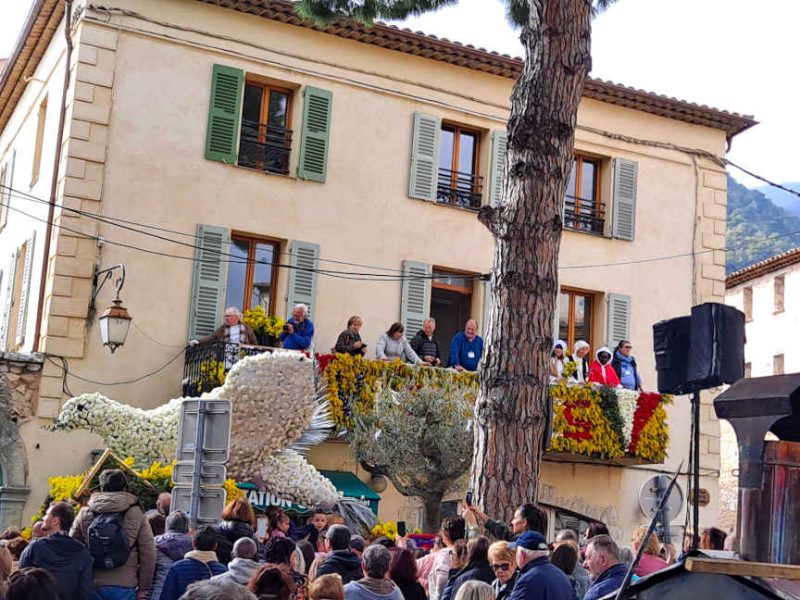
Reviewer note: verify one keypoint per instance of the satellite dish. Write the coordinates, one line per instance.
(650, 497)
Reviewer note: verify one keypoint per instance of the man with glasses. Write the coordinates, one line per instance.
(539, 579)
(625, 366)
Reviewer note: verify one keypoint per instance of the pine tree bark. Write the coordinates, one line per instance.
(512, 414)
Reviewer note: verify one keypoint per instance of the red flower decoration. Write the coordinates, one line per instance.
(646, 405)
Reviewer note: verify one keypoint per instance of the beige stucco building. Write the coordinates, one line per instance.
(236, 127)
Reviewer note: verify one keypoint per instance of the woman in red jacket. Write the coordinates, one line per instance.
(601, 371)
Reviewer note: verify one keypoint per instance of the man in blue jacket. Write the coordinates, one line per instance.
(538, 578)
(466, 348)
(604, 562)
(298, 332)
(199, 564)
(65, 558)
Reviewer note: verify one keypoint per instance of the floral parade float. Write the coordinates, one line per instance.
(278, 413)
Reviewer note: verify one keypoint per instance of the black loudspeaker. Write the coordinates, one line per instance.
(716, 348)
(671, 345)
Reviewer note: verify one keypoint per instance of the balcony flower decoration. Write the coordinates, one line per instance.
(212, 374)
(266, 327)
(570, 369)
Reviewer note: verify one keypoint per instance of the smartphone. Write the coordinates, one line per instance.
(401, 528)
(468, 498)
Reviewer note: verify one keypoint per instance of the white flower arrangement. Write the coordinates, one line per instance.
(298, 481)
(626, 400)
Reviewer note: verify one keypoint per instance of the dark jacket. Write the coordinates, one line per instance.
(223, 334)
(477, 571)
(412, 590)
(541, 580)
(67, 560)
(138, 571)
(426, 347)
(230, 531)
(170, 548)
(500, 531)
(503, 590)
(185, 572)
(345, 563)
(447, 592)
(345, 341)
(609, 581)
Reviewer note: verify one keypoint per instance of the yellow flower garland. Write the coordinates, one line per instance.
(583, 402)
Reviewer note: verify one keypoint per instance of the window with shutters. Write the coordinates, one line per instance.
(747, 300)
(5, 194)
(458, 182)
(37, 150)
(265, 140)
(251, 273)
(583, 207)
(777, 364)
(778, 285)
(575, 316)
(16, 297)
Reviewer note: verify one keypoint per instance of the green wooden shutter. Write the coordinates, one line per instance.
(5, 194)
(8, 301)
(497, 166)
(304, 261)
(208, 280)
(415, 298)
(224, 114)
(624, 207)
(314, 139)
(618, 311)
(424, 172)
(25, 288)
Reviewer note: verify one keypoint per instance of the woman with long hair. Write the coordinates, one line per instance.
(403, 572)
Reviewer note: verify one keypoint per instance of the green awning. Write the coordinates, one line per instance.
(351, 486)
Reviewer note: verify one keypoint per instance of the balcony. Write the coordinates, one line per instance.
(459, 189)
(205, 365)
(586, 216)
(265, 148)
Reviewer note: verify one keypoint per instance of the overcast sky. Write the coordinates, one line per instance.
(738, 55)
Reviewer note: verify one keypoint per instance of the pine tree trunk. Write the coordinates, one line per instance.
(432, 505)
(512, 416)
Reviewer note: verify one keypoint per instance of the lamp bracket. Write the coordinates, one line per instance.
(103, 275)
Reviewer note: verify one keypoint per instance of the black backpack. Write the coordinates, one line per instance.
(107, 541)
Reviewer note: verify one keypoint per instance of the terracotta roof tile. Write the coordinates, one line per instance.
(764, 267)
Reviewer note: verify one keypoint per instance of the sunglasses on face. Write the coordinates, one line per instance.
(501, 567)
(628, 347)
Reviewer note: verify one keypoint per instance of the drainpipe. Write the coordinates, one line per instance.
(54, 183)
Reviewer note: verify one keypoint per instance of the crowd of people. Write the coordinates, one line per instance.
(112, 550)
(614, 369)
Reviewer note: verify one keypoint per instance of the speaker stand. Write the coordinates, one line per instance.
(695, 469)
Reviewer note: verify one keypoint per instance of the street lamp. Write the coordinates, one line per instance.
(115, 320)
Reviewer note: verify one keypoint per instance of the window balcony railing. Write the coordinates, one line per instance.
(205, 365)
(459, 189)
(265, 148)
(584, 215)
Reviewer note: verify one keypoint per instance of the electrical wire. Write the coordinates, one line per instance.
(67, 372)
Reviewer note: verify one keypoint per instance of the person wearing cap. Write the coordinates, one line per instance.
(341, 559)
(539, 579)
(357, 545)
(604, 562)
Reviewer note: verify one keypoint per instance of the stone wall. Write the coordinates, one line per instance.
(22, 373)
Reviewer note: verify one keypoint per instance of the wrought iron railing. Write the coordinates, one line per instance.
(459, 189)
(205, 365)
(584, 215)
(265, 148)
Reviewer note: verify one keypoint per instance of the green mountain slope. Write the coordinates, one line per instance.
(757, 228)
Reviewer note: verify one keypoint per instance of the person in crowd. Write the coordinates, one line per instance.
(31, 584)
(466, 348)
(298, 332)
(357, 545)
(244, 562)
(213, 589)
(539, 579)
(403, 571)
(625, 366)
(282, 552)
(279, 523)
(163, 503)
(327, 587)
(340, 559)
(393, 344)
(604, 562)
(307, 550)
(170, 547)
(238, 521)
(66, 559)
(580, 356)
(374, 585)
(579, 573)
(110, 511)
(475, 590)
(157, 524)
(503, 561)
(232, 330)
(601, 371)
(438, 543)
(565, 557)
(712, 538)
(311, 530)
(458, 560)
(201, 563)
(527, 517)
(273, 581)
(349, 341)
(558, 358)
(651, 560)
(425, 345)
(6, 565)
(596, 528)
(37, 531)
(434, 569)
(477, 567)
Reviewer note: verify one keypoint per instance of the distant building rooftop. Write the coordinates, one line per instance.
(764, 267)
